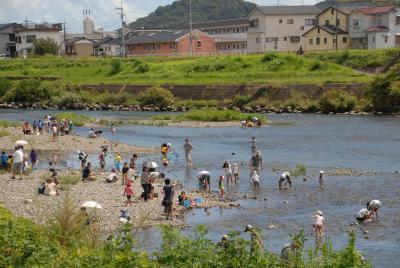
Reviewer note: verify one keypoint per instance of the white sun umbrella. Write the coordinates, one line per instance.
(151, 164)
(21, 142)
(91, 204)
(202, 173)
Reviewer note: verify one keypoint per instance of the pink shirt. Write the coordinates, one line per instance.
(128, 191)
(319, 220)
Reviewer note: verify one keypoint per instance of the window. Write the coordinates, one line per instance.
(325, 40)
(254, 23)
(398, 20)
(310, 41)
(332, 11)
(285, 38)
(318, 41)
(151, 46)
(289, 21)
(199, 44)
(344, 40)
(280, 21)
(30, 38)
(295, 39)
(258, 40)
(373, 39)
(327, 22)
(172, 45)
(386, 38)
(334, 40)
(338, 22)
(268, 39)
(356, 23)
(318, 30)
(310, 22)
(271, 39)
(11, 37)
(301, 28)
(379, 19)
(19, 39)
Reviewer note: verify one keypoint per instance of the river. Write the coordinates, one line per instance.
(368, 145)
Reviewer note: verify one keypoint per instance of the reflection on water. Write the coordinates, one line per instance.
(316, 141)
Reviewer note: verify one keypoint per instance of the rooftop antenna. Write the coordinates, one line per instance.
(190, 27)
(121, 10)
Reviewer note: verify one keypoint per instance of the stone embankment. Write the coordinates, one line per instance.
(112, 107)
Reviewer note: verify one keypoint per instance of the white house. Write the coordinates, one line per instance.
(375, 27)
(279, 28)
(108, 47)
(25, 36)
(7, 39)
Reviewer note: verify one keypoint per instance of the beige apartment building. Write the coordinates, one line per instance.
(279, 28)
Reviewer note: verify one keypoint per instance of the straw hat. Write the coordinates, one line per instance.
(319, 212)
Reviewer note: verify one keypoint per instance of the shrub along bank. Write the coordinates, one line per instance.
(67, 242)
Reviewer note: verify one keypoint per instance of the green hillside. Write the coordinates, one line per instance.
(276, 68)
(176, 15)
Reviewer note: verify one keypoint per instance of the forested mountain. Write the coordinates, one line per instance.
(176, 15)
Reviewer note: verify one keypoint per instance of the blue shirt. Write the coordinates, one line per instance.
(4, 159)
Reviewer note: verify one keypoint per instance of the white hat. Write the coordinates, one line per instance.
(283, 175)
(319, 212)
(321, 172)
(224, 237)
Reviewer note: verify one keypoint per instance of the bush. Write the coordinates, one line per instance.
(45, 46)
(142, 68)
(156, 96)
(116, 66)
(5, 85)
(213, 115)
(269, 57)
(78, 119)
(31, 90)
(240, 101)
(337, 101)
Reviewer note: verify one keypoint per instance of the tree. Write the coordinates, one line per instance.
(5, 86)
(31, 90)
(45, 46)
(157, 96)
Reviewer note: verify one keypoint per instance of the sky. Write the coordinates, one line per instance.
(103, 12)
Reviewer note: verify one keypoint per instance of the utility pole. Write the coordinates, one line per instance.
(65, 38)
(336, 24)
(121, 9)
(190, 27)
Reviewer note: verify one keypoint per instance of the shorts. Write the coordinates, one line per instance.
(167, 205)
(129, 197)
(17, 167)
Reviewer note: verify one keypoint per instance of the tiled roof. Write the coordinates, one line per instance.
(377, 10)
(289, 10)
(5, 25)
(328, 28)
(221, 23)
(379, 28)
(161, 37)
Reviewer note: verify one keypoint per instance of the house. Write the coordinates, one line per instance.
(108, 47)
(279, 28)
(171, 43)
(7, 39)
(79, 47)
(25, 35)
(230, 36)
(375, 27)
(332, 25)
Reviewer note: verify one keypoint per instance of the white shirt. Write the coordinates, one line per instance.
(18, 156)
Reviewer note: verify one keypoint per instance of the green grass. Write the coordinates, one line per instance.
(210, 115)
(6, 123)
(358, 59)
(4, 133)
(245, 69)
(78, 119)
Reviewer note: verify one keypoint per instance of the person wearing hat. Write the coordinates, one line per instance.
(319, 224)
(285, 178)
(188, 147)
(112, 177)
(373, 206)
(224, 241)
(256, 163)
(321, 180)
(257, 246)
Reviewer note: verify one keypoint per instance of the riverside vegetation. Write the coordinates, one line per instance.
(382, 93)
(67, 242)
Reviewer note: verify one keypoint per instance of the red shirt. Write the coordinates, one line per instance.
(128, 190)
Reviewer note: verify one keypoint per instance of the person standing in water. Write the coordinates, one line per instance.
(319, 224)
(321, 180)
(188, 151)
(253, 145)
(256, 163)
(113, 128)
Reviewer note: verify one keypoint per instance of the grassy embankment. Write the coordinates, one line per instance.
(246, 69)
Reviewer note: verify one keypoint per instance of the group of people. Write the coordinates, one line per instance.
(49, 125)
(253, 122)
(19, 162)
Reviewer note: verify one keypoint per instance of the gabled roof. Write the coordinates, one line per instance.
(379, 28)
(6, 25)
(377, 10)
(344, 12)
(289, 10)
(161, 37)
(331, 29)
(71, 41)
(221, 23)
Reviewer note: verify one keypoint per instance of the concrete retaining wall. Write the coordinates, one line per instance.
(220, 92)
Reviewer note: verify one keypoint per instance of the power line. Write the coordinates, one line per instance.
(121, 9)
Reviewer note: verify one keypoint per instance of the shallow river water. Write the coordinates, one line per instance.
(368, 145)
